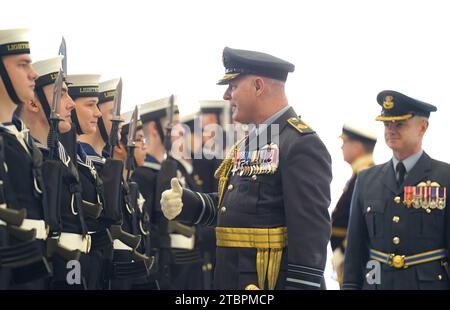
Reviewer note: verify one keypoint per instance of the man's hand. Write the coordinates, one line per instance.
(171, 203)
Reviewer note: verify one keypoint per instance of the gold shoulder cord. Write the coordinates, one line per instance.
(224, 170)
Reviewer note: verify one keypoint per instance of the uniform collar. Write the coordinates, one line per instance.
(91, 154)
(268, 121)
(362, 163)
(271, 133)
(152, 163)
(89, 149)
(62, 154)
(409, 162)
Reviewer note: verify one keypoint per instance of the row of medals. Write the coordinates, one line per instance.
(426, 195)
(263, 161)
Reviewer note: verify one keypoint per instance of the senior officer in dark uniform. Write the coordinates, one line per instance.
(358, 143)
(398, 215)
(271, 209)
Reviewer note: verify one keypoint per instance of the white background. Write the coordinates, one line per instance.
(345, 52)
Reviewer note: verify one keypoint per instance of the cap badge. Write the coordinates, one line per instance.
(388, 103)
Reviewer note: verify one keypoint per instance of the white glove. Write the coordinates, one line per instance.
(338, 258)
(171, 203)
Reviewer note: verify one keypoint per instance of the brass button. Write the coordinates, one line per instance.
(254, 177)
(230, 187)
(369, 209)
(396, 219)
(396, 240)
(428, 211)
(397, 199)
(223, 210)
(440, 277)
(398, 261)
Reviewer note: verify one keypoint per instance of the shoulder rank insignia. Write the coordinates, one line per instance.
(301, 126)
(426, 195)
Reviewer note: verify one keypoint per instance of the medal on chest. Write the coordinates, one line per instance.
(425, 195)
(262, 161)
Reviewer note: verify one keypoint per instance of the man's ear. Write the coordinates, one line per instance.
(424, 126)
(259, 86)
(153, 130)
(33, 106)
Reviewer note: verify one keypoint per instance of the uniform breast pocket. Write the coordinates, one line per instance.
(374, 216)
(426, 224)
(242, 196)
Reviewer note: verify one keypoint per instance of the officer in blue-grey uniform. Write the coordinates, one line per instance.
(398, 234)
(271, 209)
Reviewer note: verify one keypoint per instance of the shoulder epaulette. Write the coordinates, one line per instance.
(301, 126)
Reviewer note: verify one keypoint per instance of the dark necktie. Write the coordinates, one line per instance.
(401, 171)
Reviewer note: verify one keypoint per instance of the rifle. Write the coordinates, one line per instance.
(148, 260)
(53, 247)
(12, 216)
(69, 141)
(167, 137)
(22, 234)
(116, 230)
(63, 52)
(93, 210)
(53, 134)
(118, 233)
(113, 137)
(176, 227)
(131, 144)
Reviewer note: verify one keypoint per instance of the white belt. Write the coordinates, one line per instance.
(179, 241)
(38, 225)
(119, 245)
(74, 242)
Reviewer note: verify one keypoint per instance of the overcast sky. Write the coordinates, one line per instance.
(344, 51)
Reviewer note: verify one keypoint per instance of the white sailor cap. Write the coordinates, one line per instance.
(213, 106)
(107, 90)
(156, 109)
(48, 70)
(357, 131)
(14, 41)
(189, 120)
(83, 85)
(219, 107)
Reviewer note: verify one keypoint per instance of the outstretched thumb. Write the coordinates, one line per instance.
(176, 187)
